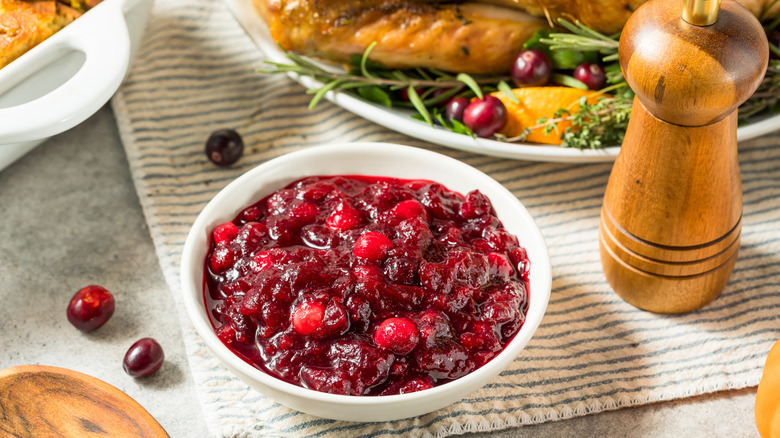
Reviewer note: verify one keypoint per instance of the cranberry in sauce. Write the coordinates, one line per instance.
(366, 285)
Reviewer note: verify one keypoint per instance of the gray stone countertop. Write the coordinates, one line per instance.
(71, 217)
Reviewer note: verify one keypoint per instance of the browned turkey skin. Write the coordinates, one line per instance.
(606, 16)
(480, 37)
(467, 37)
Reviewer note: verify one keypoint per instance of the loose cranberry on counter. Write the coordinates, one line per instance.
(224, 147)
(485, 116)
(531, 68)
(591, 74)
(90, 308)
(143, 358)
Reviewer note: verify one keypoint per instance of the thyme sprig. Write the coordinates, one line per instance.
(591, 126)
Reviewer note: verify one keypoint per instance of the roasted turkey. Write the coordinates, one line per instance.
(479, 37)
(466, 37)
(607, 16)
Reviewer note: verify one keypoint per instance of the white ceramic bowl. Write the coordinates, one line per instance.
(362, 159)
(68, 77)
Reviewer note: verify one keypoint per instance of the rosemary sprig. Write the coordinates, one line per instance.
(583, 39)
(374, 82)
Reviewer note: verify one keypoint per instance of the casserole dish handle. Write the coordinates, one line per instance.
(101, 35)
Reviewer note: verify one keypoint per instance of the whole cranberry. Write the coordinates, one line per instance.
(531, 68)
(415, 385)
(143, 358)
(455, 108)
(343, 217)
(90, 308)
(307, 317)
(485, 116)
(398, 335)
(408, 209)
(591, 74)
(372, 246)
(224, 147)
(225, 233)
(222, 258)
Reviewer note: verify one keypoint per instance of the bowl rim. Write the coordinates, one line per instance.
(193, 290)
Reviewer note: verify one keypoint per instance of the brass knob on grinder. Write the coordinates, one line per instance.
(671, 217)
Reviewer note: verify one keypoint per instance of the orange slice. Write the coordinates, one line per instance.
(538, 102)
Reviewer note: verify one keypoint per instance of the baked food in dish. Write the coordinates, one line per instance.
(26, 23)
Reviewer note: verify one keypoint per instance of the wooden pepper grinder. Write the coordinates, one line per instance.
(671, 218)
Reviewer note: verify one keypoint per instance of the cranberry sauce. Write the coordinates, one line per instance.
(366, 285)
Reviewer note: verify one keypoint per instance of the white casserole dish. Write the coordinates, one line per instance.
(67, 78)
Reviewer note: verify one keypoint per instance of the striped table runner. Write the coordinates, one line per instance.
(593, 352)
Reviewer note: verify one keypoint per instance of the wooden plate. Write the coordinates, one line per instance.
(48, 401)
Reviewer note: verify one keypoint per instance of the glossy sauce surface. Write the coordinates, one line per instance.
(366, 285)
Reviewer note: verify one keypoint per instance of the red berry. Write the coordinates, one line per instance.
(224, 147)
(592, 75)
(398, 335)
(531, 68)
(251, 214)
(251, 236)
(415, 385)
(475, 205)
(262, 261)
(485, 116)
(303, 214)
(519, 258)
(307, 317)
(343, 217)
(500, 265)
(455, 107)
(90, 308)
(372, 246)
(222, 259)
(143, 358)
(408, 209)
(225, 233)
(271, 257)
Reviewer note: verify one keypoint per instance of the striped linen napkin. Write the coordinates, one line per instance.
(593, 352)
